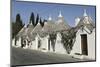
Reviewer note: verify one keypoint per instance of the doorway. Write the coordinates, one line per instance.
(84, 44)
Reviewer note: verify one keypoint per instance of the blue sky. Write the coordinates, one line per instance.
(70, 12)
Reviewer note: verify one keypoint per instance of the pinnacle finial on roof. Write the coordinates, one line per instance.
(60, 15)
(85, 14)
(25, 26)
(49, 18)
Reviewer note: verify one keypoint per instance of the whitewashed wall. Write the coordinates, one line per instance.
(44, 43)
(77, 45)
(59, 48)
(13, 42)
(18, 43)
(90, 44)
(34, 45)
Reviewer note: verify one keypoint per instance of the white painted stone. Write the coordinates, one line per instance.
(34, 45)
(13, 42)
(18, 42)
(44, 43)
(36, 40)
(51, 49)
(59, 48)
(90, 45)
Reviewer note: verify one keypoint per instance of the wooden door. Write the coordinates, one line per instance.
(84, 44)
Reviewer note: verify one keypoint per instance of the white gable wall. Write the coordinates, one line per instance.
(59, 48)
(90, 44)
(36, 41)
(77, 45)
(44, 43)
(34, 45)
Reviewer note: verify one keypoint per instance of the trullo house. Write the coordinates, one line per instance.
(84, 46)
(57, 36)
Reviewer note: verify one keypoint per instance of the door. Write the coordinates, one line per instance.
(84, 44)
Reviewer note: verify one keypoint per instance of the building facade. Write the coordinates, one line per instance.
(49, 37)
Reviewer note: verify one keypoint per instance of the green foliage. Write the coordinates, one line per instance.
(37, 19)
(18, 18)
(53, 40)
(17, 25)
(41, 22)
(68, 39)
(32, 18)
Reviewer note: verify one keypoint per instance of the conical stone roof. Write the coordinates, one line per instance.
(22, 32)
(37, 28)
(48, 27)
(30, 27)
(86, 21)
(61, 24)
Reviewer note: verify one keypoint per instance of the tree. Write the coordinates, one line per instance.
(32, 19)
(37, 19)
(17, 25)
(42, 24)
(13, 29)
(68, 39)
(52, 39)
(18, 18)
